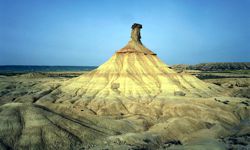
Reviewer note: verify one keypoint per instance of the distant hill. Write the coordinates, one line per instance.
(26, 69)
(215, 66)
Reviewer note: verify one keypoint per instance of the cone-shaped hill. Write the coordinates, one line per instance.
(136, 72)
(133, 101)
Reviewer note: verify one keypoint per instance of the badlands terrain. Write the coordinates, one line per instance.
(28, 120)
(132, 101)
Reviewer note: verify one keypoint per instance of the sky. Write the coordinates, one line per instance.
(88, 32)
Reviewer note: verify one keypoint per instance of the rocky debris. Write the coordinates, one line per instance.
(221, 101)
(241, 93)
(179, 93)
(171, 143)
(237, 83)
(235, 87)
(237, 142)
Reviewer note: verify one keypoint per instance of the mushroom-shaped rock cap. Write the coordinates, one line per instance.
(135, 45)
(136, 25)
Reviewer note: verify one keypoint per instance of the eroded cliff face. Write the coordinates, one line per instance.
(136, 72)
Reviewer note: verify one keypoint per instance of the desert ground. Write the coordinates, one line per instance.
(30, 118)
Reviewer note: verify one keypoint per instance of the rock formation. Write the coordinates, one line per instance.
(133, 101)
(135, 72)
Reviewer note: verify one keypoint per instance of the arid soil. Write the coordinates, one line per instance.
(31, 118)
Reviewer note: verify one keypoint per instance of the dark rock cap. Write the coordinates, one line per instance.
(136, 25)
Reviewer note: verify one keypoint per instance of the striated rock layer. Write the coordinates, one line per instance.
(136, 72)
(35, 114)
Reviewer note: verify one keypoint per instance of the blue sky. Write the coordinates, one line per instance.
(88, 32)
